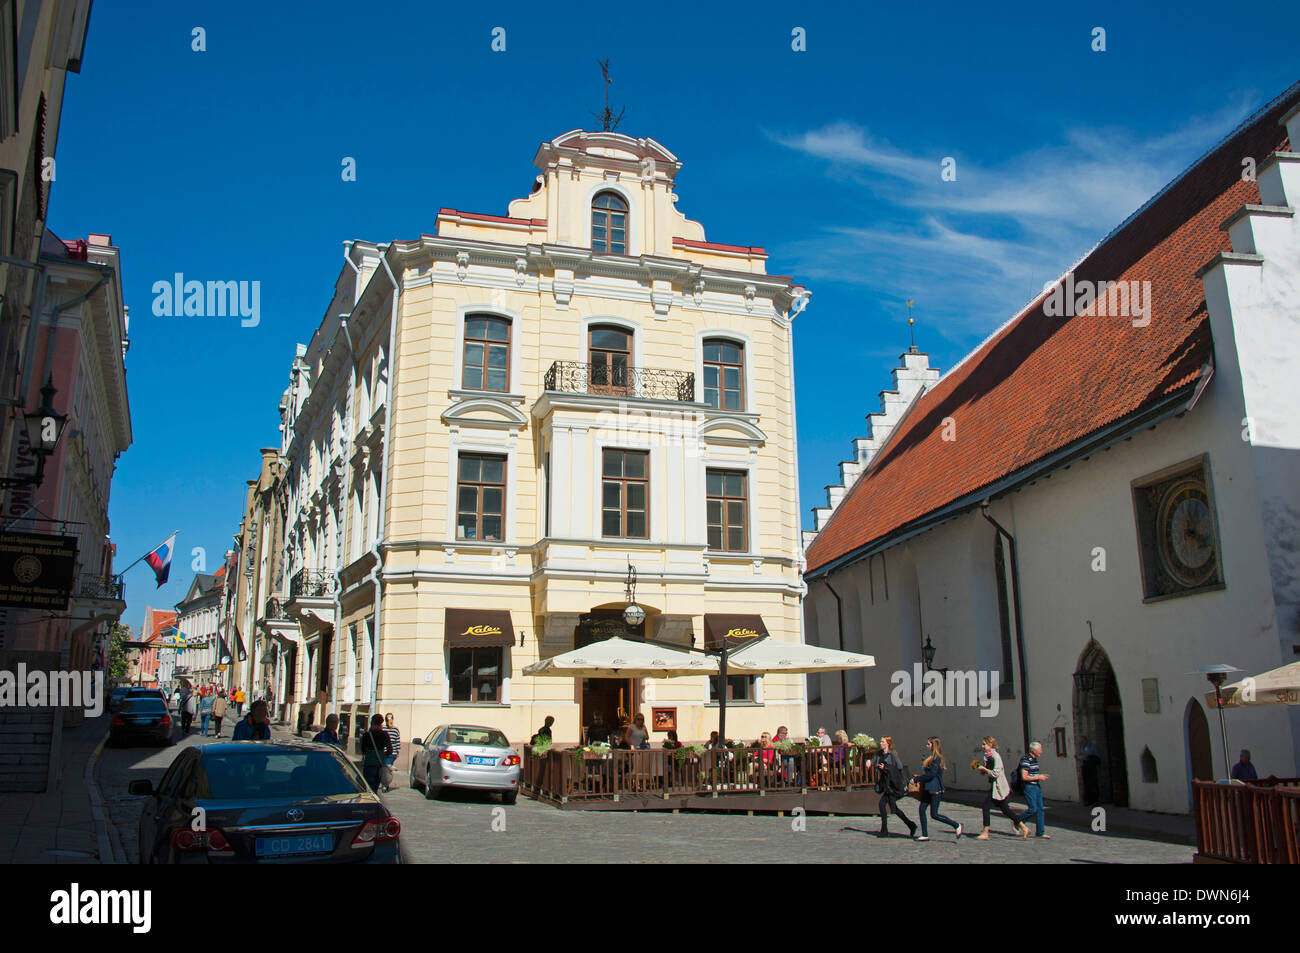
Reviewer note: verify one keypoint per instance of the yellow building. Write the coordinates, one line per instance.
(578, 387)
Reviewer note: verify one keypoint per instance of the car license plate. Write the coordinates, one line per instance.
(306, 844)
(474, 760)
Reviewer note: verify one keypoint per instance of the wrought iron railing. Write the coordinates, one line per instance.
(275, 610)
(649, 383)
(311, 584)
(94, 586)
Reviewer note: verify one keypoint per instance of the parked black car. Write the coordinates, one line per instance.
(265, 802)
(141, 719)
(119, 695)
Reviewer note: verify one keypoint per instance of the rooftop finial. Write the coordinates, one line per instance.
(911, 322)
(607, 118)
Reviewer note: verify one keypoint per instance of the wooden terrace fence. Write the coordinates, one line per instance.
(568, 775)
(1253, 823)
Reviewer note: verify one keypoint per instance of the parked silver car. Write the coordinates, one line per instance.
(465, 756)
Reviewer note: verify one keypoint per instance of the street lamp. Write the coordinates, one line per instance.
(633, 615)
(44, 428)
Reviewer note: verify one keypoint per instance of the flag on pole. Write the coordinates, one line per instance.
(160, 560)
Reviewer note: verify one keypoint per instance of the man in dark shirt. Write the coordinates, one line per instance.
(1030, 776)
(598, 732)
(1243, 770)
(255, 726)
(375, 749)
(330, 735)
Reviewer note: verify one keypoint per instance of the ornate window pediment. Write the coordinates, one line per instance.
(736, 431)
(484, 412)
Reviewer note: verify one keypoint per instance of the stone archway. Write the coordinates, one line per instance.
(1099, 716)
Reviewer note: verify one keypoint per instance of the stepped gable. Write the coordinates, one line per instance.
(1041, 383)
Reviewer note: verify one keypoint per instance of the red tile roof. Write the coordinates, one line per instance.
(1042, 383)
(753, 251)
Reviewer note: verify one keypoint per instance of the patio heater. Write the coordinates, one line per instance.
(1217, 675)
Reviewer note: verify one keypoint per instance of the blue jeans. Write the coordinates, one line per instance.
(370, 771)
(932, 799)
(1034, 798)
(203, 721)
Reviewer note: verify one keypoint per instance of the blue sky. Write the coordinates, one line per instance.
(226, 165)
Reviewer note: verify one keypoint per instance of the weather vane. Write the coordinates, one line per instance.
(911, 321)
(607, 118)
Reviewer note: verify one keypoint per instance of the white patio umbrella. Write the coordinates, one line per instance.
(623, 658)
(1281, 686)
(770, 655)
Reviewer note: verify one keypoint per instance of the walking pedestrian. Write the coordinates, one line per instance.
(255, 727)
(1030, 775)
(891, 786)
(239, 703)
(205, 713)
(191, 709)
(218, 713)
(395, 737)
(330, 734)
(931, 781)
(375, 748)
(999, 791)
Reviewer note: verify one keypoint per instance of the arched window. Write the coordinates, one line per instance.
(724, 374)
(487, 353)
(609, 224)
(610, 352)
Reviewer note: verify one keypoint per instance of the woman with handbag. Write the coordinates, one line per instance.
(890, 786)
(999, 792)
(931, 782)
(375, 747)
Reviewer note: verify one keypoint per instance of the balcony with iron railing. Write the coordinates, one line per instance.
(94, 586)
(311, 584)
(646, 383)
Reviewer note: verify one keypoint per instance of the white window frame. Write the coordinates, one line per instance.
(747, 364)
(633, 247)
(458, 354)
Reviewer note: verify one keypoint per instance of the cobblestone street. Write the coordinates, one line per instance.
(459, 829)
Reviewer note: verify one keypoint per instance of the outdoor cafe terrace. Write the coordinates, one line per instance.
(831, 779)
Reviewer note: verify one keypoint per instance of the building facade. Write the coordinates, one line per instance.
(496, 423)
(81, 344)
(198, 624)
(1095, 503)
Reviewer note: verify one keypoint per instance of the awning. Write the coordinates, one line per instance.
(1281, 686)
(770, 655)
(733, 630)
(623, 658)
(239, 646)
(479, 627)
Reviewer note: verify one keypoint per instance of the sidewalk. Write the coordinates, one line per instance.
(65, 825)
(1168, 828)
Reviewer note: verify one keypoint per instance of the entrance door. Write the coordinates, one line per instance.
(1099, 716)
(1201, 761)
(614, 698)
(610, 350)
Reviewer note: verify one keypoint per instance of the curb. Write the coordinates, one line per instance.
(105, 835)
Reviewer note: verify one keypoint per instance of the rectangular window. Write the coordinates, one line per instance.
(724, 375)
(740, 688)
(625, 494)
(487, 353)
(726, 507)
(475, 675)
(481, 497)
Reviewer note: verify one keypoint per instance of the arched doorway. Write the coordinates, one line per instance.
(1099, 716)
(1200, 756)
